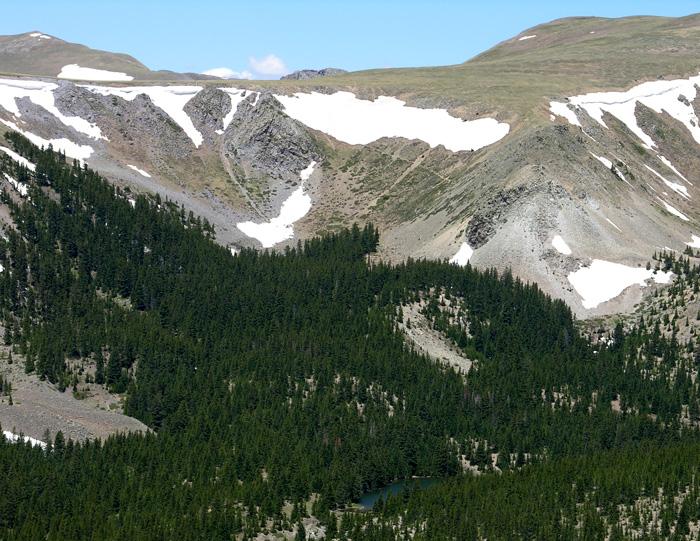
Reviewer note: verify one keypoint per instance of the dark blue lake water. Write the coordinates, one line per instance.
(368, 500)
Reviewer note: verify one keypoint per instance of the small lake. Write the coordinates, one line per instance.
(368, 499)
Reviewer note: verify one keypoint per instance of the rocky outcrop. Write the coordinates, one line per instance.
(266, 150)
(263, 138)
(137, 125)
(302, 75)
(207, 111)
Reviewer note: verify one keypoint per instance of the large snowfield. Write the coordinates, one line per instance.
(76, 72)
(281, 228)
(360, 122)
(341, 115)
(674, 97)
(603, 280)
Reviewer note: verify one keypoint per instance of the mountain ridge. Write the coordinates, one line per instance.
(312, 73)
(37, 54)
(548, 175)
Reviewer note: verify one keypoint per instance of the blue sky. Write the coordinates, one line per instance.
(266, 37)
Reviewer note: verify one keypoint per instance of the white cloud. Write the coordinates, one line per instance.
(228, 73)
(264, 68)
(269, 65)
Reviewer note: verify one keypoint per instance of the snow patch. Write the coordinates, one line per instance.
(21, 187)
(607, 163)
(463, 255)
(41, 94)
(360, 122)
(39, 35)
(668, 164)
(139, 171)
(612, 224)
(171, 99)
(694, 241)
(281, 228)
(678, 188)
(674, 210)
(306, 173)
(604, 280)
(602, 159)
(562, 109)
(15, 438)
(527, 37)
(76, 72)
(237, 96)
(560, 245)
(71, 149)
(19, 159)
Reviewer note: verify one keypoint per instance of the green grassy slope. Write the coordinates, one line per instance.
(515, 77)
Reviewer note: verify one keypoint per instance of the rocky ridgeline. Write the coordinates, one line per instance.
(303, 75)
(263, 137)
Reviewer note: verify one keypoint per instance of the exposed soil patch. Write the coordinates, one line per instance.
(427, 340)
(38, 406)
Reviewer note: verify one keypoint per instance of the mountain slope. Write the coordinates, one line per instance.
(41, 55)
(486, 157)
(277, 380)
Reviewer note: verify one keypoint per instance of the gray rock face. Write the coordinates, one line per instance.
(487, 219)
(313, 74)
(46, 125)
(262, 139)
(136, 127)
(207, 111)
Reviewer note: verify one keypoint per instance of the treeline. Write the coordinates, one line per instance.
(268, 377)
